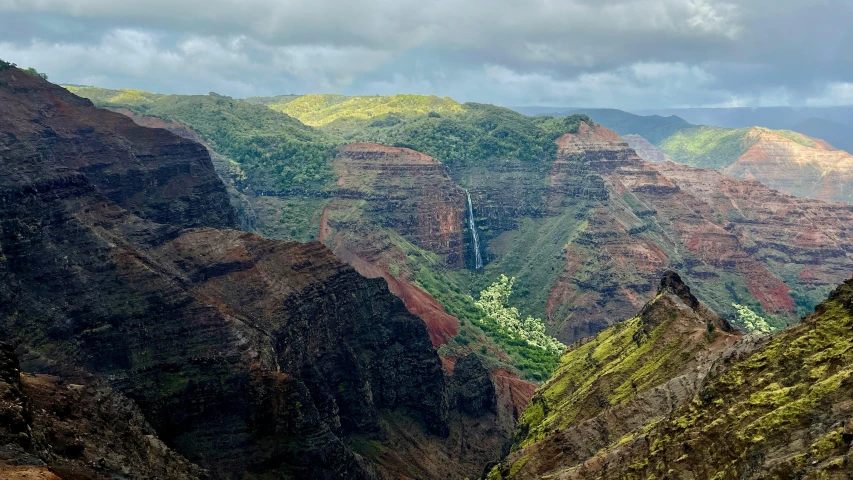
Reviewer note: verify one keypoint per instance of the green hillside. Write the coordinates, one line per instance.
(706, 147)
(322, 110)
(124, 97)
(716, 147)
(270, 152)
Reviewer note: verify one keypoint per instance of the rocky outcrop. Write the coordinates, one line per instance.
(250, 357)
(384, 192)
(405, 191)
(473, 390)
(623, 380)
(247, 217)
(782, 404)
(150, 173)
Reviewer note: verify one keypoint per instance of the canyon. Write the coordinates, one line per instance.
(123, 279)
(372, 326)
(586, 232)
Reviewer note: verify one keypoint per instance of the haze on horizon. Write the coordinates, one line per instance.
(629, 54)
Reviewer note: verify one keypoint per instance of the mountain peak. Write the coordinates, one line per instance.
(671, 282)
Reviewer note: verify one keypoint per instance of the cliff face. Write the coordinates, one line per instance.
(781, 404)
(397, 189)
(732, 240)
(385, 193)
(150, 173)
(53, 428)
(807, 168)
(248, 356)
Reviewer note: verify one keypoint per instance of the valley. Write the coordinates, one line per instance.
(374, 287)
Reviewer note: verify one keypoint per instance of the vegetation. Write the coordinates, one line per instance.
(31, 71)
(760, 401)
(611, 368)
(320, 110)
(796, 137)
(494, 303)
(267, 101)
(275, 153)
(707, 147)
(477, 137)
(751, 320)
(716, 147)
(451, 132)
(477, 330)
(782, 408)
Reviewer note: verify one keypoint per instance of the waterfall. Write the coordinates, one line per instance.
(478, 257)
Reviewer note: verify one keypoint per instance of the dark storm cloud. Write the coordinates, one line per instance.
(623, 53)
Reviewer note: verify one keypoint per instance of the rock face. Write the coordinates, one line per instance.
(781, 404)
(474, 390)
(395, 188)
(406, 191)
(150, 173)
(54, 428)
(732, 240)
(809, 168)
(388, 191)
(250, 357)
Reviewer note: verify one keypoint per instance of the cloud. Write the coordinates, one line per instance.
(627, 53)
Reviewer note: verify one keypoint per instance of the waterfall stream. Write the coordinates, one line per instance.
(478, 257)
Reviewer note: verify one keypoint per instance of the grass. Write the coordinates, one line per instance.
(781, 388)
(707, 147)
(321, 110)
(608, 370)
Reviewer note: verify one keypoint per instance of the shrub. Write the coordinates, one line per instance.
(493, 303)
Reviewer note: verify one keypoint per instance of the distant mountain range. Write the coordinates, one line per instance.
(797, 162)
(833, 124)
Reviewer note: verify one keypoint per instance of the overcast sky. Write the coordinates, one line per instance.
(627, 54)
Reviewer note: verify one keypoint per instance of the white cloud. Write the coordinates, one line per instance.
(625, 53)
(836, 93)
(231, 63)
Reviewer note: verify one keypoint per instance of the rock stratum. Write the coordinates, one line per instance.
(730, 239)
(797, 165)
(587, 227)
(122, 279)
(666, 395)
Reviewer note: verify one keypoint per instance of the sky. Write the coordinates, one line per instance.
(629, 54)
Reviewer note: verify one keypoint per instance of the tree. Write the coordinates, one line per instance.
(751, 320)
(494, 303)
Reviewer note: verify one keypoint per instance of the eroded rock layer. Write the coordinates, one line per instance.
(77, 428)
(795, 164)
(733, 240)
(250, 357)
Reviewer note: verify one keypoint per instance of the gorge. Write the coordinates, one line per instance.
(204, 287)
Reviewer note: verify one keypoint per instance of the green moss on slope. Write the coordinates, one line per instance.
(607, 370)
